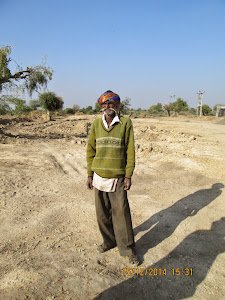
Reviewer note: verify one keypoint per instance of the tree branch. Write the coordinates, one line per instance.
(18, 75)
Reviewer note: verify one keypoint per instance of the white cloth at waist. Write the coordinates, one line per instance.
(104, 184)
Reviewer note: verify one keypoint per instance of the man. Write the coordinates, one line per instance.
(110, 165)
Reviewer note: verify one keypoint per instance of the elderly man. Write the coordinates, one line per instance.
(110, 165)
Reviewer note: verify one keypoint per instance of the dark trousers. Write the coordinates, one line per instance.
(114, 219)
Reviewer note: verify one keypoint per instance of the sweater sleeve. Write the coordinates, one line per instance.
(91, 150)
(130, 151)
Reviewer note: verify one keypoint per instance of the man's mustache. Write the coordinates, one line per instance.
(104, 109)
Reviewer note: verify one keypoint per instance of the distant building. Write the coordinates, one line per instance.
(220, 112)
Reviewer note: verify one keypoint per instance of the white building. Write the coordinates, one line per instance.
(220, 111)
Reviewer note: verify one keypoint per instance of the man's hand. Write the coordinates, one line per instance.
(89, 182)
(127, 183)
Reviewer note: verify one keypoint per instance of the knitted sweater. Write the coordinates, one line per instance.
(110, 153)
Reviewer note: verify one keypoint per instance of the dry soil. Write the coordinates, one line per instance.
(49, 233)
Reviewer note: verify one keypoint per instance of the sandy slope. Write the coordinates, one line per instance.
(48, 232)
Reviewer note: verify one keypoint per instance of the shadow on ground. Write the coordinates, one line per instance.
(166, 221)
(177, 275)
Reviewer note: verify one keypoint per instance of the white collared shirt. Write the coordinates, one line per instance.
(106, 184)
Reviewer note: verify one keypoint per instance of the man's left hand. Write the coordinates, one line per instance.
(127, 183)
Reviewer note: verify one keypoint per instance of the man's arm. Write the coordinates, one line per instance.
(130, 151)
(91, 151)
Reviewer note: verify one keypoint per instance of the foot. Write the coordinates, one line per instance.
(134, 260)
(104, 247)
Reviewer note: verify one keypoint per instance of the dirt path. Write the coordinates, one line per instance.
(48, 232)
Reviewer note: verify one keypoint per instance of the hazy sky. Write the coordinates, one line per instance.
(144, 50)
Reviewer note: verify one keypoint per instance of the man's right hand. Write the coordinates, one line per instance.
(89, 182)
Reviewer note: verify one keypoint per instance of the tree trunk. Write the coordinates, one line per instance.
(1, 131)
(48, 116)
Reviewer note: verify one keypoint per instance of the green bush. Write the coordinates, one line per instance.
(156, 109)
(69, 111)
(4, 107)
(206, 110)
(180, 105)
(50, 101)
(192, 111)
(34, 104)
(97, 107)
(20, 106)
(88, 110)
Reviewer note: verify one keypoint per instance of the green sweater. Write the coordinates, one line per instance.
(110, 153)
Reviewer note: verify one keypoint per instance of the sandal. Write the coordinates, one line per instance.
(133, 259)
(104, 247)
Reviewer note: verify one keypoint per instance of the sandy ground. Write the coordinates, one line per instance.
(49, 233)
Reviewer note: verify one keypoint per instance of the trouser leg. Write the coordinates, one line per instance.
(104, 217)
(121, 219)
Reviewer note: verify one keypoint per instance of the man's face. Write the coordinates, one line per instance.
(109, 108)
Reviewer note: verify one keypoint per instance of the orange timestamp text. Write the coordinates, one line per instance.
(157, 271)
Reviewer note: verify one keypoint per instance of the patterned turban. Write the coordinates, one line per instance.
(109, 96)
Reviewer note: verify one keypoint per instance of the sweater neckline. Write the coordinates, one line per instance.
(107, 130)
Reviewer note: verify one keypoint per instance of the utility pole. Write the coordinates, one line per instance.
(199, 104)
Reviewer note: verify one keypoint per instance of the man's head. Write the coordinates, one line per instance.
(109, 101)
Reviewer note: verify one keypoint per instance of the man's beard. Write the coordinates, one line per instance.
(111, 113)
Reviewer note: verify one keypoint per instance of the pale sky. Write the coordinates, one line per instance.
(145, 50)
